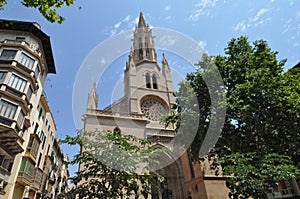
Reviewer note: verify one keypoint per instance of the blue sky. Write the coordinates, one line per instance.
(211, 23)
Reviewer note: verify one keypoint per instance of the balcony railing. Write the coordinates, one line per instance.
(6, 121)
(6, 62)
(24, 68)
(25, 178)
(160, 132)
(14, 92)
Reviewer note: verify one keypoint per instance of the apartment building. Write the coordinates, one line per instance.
(27, 128)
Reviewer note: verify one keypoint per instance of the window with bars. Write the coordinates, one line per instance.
(26, 60)
(7, 109)
(8, 54)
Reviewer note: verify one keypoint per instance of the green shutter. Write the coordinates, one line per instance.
(23, 165)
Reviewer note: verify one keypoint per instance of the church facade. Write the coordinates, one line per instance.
(148, 94)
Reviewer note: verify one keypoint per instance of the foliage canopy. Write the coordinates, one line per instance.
(260, 139)
(47, 8)
(113, 165)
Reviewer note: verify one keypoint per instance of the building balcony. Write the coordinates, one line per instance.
(20, 69)
(38, 177)
(33, 147)
(10, 138)
(27, 171)
(25, 179)
(16, 95)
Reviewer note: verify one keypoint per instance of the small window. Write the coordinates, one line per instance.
(43, 138)
(48, 149)
(29, 92)
(36, 128)
(147, 47)
(1, 159)
(23, 165)
(26, 60)
(140, 49)
(154, 81)
(8, 54)
(7, 109)
(17, 82)
(20, 118)
(2, 76)
(39, 160)
(148, 83)
(37, 71)
(40, 113)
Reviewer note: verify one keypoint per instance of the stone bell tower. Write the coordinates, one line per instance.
(144, 81)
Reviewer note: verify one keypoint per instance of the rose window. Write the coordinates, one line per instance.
(153, 109)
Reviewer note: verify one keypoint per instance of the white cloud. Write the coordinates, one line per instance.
(287, 26)
(259, 13)
(124, 24)
(126, 19)
(254, 21)
(117, 25)
(167, 8)
(202, 8)
(136, 20)
(240, 26)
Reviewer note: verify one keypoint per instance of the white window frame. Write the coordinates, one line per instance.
(17, 82)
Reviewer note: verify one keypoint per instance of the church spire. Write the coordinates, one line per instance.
(143, 43)
(142, 23)
(92, 103)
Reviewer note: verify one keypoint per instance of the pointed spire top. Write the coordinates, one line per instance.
(94, 87)
(142, 22)
(164, 60)
(93, 98)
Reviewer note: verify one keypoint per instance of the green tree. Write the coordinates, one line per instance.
(260, 137)
(113, 165)
(47, 8)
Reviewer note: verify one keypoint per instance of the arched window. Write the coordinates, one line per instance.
(148, 83)
(154, 81)
(147, 47)
(140, 49)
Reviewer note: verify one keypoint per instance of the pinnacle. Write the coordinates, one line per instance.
(142, 22)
